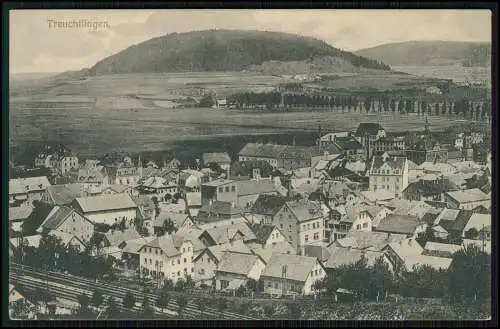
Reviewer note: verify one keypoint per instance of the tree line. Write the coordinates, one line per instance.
(463, 107)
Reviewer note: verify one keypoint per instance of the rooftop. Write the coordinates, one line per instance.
(106, 202)
(217, 157)
(237, 263)
(61, 195)
(29, 184)
(340, 256)
(368, 128)
(297, 267)
(366, 239)
(471, 195)
(305, 210)
(251, 187)
(268, 204)
(400, 224)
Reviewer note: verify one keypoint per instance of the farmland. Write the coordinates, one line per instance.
(124, 112)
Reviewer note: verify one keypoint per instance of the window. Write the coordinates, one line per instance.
(161, 252)
(289, 216)
(281, 226)
(173, 263)
(306, 237)
(150, 261)
(290, 228)
(192, 270)
(227, 188)
(189, 248)
(365, 225)
(233, 188)
(316, 272)
(276, 285)
(156, 251)
(178, 273)
(185, 260)
(150, 250)
(178, 261)
(316, 236)
(358, 227)
(221, 189)
(183, 249)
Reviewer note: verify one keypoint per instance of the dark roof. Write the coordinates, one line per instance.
(279, 151)
(262, 232)
(268, 204)
(368, 129)
(437, 253)
(459, 223)
(397, 223)
(348, 143)
(56, 217)
(393, 162)
(429, 189)
(64, 194)
(341, 171)
(320, 252)
(220, 208)
(430, 217)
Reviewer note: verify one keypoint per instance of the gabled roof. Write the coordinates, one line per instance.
(61, 195)
(348, 143)
(166, 244)
(218, 251)
(106, 202)
(394, 163)
(237, 263)
(20, 213)
(320, 252)
(177, 219)
(66, 238)
(220, 208)
(262, 232)
(366, 239)
(297, 267)
(28, 184)
(305, 210)
(116, 237)
(458, 223)
(268, 204)
(57, 216)
(223, 234)
(471, 195)
(368, 128)
(267, 251)
(340, 256)
(133, 246)
(447, 248)
(478, 221)
(401, 224)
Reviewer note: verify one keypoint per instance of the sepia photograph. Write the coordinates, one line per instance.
(249, 164)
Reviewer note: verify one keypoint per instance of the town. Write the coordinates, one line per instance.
(275, 231)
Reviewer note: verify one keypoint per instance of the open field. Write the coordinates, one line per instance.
(457, 73)
(104, 114)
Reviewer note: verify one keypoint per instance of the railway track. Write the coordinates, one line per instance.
(71, 284)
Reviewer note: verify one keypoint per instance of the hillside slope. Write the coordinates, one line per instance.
(221, 50)
(425, 53)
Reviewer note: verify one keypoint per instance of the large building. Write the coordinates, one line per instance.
(26, 190)
(427, 149)
(67, 220)
(287, 157)
(107, 209)
(468, 199)
(389, 175)
(368, 134)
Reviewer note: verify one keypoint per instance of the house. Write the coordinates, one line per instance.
(118, 189)
(226, 233)
(267, 234)
(467, 199)
(367, 240)
(338, 193)
(158, 186)
(356, 218)
(218, 210)
(235, 269)
(124, 173)
(67, 220)
(409, 225)
(63, 195)
(288, 157)
(265, 208)
(146, 211)
(287, 274)
(69, 240)
(302, 222)
(426, 149)
(221, 158)
(26, 190)
(320, 252)
(249, 190)
(28, 241)
(389, 174)
(107, 209)
(341, 173)
(170, 256)
(17, 215)
(387, 144)
(28, 308)
(219, 190)
(428, 189)
(438, 249)
(414, 171)
(130, 250)
(479, 223)
(342, 256)
(114, 238)
(94, 181)
(350, 147)
(438, 168)
(179, 220)
(206, 262)
(406, 207)
(377, 213)
(407, 255)
(193, 200)
(367, 134)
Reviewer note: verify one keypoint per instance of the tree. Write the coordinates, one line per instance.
(112, 309)
(381, 279)
(129, 301)
(471, 233)
(168, 197)
(202, 304)
(469, 276)
(163, 300)
(49, 250)
(206, 101)
(180, 285)
(97, 298)
(190, 282)
(181, 303)
(294, 311)
(436, 108)
(84, 302)
(168, 285)
(268, 310)
(221, 304)
(167, 228)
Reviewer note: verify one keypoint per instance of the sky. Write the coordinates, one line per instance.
(39, 43)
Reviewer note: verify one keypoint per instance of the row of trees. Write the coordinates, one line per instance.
(463, 107)
(52, 255)
(467, 279)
